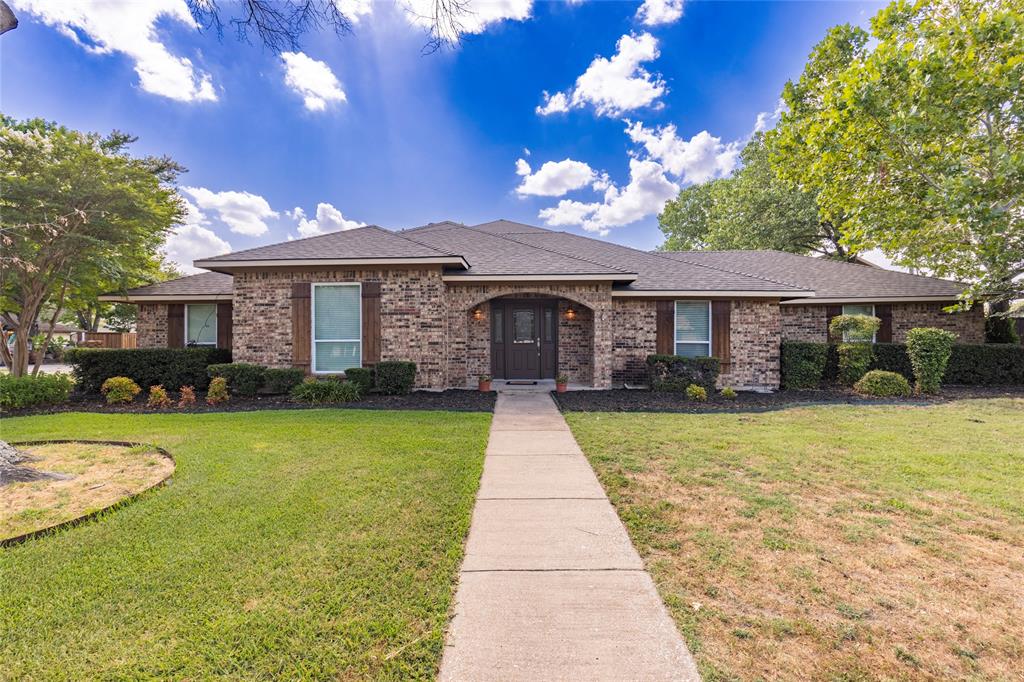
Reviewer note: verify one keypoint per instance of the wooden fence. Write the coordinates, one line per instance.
(108, 340)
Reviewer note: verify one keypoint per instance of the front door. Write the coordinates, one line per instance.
(528, 330)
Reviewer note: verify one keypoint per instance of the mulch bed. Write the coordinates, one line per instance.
(450, 400)
(620, 400)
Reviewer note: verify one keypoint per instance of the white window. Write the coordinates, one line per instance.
(858, 309)
(201, 324)
(693, 328)
(337, 327)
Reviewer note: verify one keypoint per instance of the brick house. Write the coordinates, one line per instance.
(520, 302)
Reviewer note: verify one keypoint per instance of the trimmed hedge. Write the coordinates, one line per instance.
(395, 377)
(171, 368)
(33, 391)
(278, 381)
(882, 384)
(803, 364)
(361, 377)
(243, 378)
(677, 373)
(969, 365)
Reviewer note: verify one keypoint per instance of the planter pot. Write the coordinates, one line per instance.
(561, 388)
(485, 386)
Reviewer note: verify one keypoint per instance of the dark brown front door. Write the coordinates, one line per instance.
(528, 333)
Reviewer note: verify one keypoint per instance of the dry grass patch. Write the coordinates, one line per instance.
(101, 475)
(830, 543)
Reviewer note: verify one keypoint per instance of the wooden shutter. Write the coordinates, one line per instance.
(830, 312)
(301, 326)
(884, 313)
(224, 325)
(371, 323)
(665, 338)
(176, 325)
(721, 326)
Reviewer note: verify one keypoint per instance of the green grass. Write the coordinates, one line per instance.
(289, 544)
(842, 542)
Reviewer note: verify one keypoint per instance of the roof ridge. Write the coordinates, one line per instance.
(428, 246)
(549, 250)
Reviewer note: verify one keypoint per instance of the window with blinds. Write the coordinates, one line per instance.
(337, 327)
(693, 328)
(858, 309)
(201, 324)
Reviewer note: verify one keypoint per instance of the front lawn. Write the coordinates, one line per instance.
(846, 542)
(308, 544)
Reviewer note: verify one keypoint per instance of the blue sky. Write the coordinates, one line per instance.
(366, 129)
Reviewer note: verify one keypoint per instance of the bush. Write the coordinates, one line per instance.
(158, 397)
(278, 381)
(218, 391)
(395, 377)
(929, 350)
(186, 397)
(728, 393)
(858, 328)
(361, 377)
(120, 390)
(698, 393)
(168, 367)
(803, 364)
(1000, 330)
(245, 379)
(29, 391)
(676, 373)
(316, 392)
(882, 384)
(892, 357)
(854, 361)
(986, 364)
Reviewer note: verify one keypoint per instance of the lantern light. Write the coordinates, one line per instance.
(570, 314)
(478, 314)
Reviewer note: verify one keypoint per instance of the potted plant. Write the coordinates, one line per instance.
(484, 383)
(561, 383)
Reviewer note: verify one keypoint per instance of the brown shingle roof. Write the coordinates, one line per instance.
(828, 278)
(213, 285)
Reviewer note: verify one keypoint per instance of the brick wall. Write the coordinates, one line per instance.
(809, 322)
(634, 338)
(412, 317)
(576, 344)
(754, 343)
(151, 325)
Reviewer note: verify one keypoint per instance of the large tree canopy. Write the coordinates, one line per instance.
(913, 133)
(753, 209)
(74, 206)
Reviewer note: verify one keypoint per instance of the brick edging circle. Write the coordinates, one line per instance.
(17, 539)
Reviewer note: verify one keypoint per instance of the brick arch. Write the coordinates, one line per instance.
(528, 293)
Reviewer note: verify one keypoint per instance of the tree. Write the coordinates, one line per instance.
(132, 269)
(913, 132)
(753, 209)
(72, 204)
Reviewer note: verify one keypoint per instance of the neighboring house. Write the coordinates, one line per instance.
(520, 302)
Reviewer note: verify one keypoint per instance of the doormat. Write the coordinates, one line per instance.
(521, 382)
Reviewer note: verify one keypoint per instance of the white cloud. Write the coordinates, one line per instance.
(478, 16)
(645, 195)
(354, 10)
(767, 120)
(328, 219)
(617, 85)
(193, 240)
(312, 79)
(698, 159)
(105, 27)
(557, 103)
(522, 167)
(554, 178)
(657, 12)
(242, 212)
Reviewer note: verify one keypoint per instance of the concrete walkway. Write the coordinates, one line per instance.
(551, 587)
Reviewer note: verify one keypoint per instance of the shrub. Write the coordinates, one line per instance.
(278, 381)
(187, 396)
(854, 361)
(892, 357)
(854, 328)
(245, 379)
(158, 397)
(1000, 330)
(361, 377)
(171, 368)
(728, 393)
(316, 392)
(698, 393)
(929, 350)
(883, 384)
(676, 373)
(395, 377)
(120, 390)
(803, 364)
(218, 391)
(986, 364)
(29, 391)
(856, 353)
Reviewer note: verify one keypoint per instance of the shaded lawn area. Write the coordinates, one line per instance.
(838, 542)
(303, 544)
